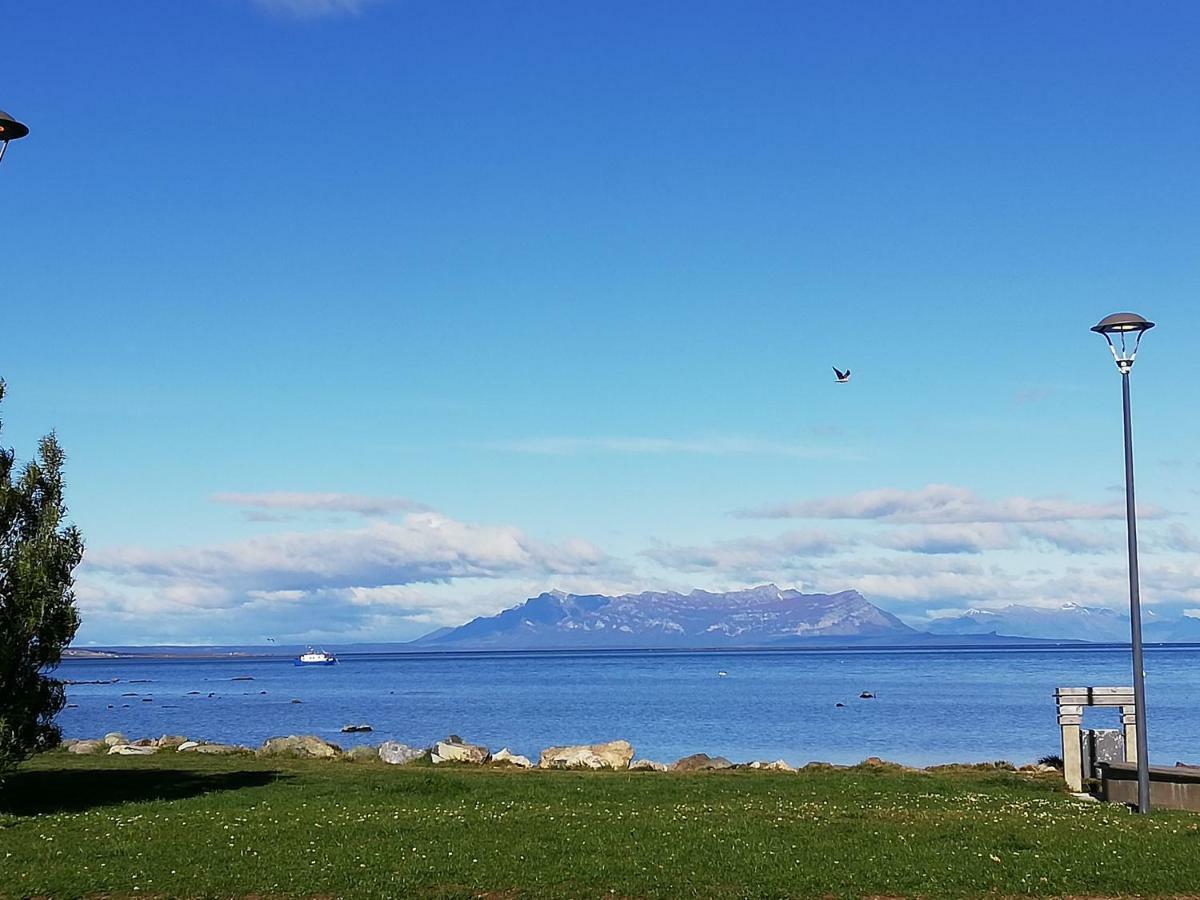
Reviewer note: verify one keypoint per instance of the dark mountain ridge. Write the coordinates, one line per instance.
(761, 616)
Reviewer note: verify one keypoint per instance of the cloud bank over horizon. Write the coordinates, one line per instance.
(943, 504)
(399, 569)
(376, 581)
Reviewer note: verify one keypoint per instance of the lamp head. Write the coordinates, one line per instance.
(1126, 326)
(10, 130)
(1119, 323)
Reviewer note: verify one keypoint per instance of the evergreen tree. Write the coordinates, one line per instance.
(38, 554)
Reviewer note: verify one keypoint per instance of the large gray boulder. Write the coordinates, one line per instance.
(83, 747)
(396, 754)
(115, 737)
(700, 762)
(303, 746)
(610, 755)
(169, 741)
(454, 749)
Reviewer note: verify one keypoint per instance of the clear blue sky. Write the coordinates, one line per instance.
(569, 278)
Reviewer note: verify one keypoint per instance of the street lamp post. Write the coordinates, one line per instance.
(1127, 329)
(10, 130)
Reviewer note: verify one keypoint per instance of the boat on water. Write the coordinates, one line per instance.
(311, 657)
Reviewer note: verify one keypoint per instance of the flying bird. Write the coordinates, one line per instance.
(842, 377)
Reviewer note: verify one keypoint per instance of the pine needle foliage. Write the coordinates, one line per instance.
(38, 555)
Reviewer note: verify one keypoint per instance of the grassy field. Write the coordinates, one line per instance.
(180, 825)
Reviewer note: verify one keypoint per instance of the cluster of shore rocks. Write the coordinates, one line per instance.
(609, 755)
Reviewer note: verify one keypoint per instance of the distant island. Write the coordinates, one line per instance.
(760, 617)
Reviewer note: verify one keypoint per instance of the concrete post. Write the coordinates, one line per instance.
(1069, 719)
(1129, 725)
(1071, 703)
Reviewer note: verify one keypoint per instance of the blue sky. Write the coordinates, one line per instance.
(360, 318)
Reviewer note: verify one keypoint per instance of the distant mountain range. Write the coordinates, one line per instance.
(1087, 623)
(764, 616)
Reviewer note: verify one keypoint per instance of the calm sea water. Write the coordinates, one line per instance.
(931, 706)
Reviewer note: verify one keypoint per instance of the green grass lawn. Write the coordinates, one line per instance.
(181, 825)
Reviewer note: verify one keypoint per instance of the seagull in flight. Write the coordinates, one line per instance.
(842, 377)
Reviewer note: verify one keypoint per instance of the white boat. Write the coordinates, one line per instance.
(311, 657)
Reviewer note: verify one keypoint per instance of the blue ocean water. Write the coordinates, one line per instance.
(931, 706)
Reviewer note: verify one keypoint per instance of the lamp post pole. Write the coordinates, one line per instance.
(1135, 612)
(1125, 326)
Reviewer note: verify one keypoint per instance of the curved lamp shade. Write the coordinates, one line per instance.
(10, 128)
(1119, 323)
(1124, 325)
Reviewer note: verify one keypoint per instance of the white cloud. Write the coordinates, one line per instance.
(968, 538)
(422, 547)
(761, 557)
(941, 504)
(919, 583)
(1176, 537)
(749, 557)
(309, 501)
(1070, 538)
(375, 582)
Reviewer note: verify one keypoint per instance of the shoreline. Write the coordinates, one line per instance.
(617, 755)
(234, 654)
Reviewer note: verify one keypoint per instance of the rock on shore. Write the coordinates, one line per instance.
(778, 766)
(700, 762)
(507, 756)
(82, 747)
(646, 765)
(396, 754)
(305, 746)
(610, 755)
(130, 750)
(454, 749)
